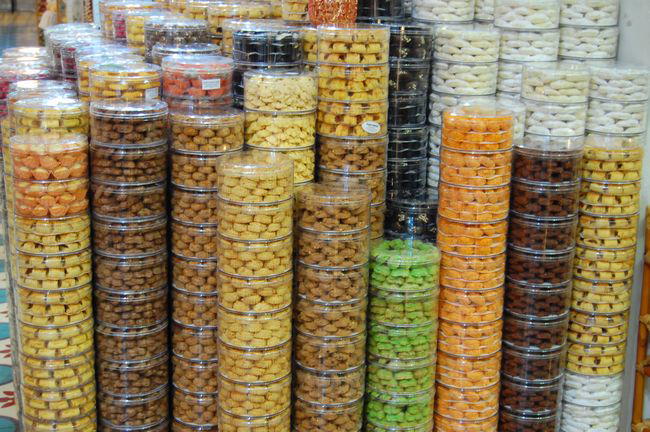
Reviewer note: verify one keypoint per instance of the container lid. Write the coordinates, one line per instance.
(45, 106)
(484, 109)
(559, 69)
(115, 108)
(265, 26)
(615, 142)
(400, 252)
(40, 85)
(355, 31)
(213, 116)
(410, 28)
(547, 143)
(167, 23)
(37, 145)
(163, 50)
(122, 70)
(333, 194)
(484, 31)
(254, 161)
(214, 63)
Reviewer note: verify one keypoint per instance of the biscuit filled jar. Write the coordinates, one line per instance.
(130, 82)
(207, 130)
(176, 31)
(203, 77)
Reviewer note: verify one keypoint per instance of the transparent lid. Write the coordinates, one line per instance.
(354, 32)
(265, 26)
(233, 25)
(103, 56)
(254, 161)
(483, 109)
(410, 28)
(161, 50)
(405, 251)
(615, 142)
(46, 105)
(166, 23)
(125, 69)
(557, 70)
(551, 143)
(333, 193)
(128, 4)
(115, 108)
(478, 30)
(213, 63)
(427, 203)
(213, 116)
(40, 85)
(36, 145)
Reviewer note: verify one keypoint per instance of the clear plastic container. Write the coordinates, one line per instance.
(128, 82)
(352, 119)
(130, 274)
(58, 374)
(474, 43)
(128, 123)
(51, 272)
(457, 78)
(194, 275)
(358, 83)
(474, 239)
(267, 43)
(210, 131)
(331, 388)
(353, 44)
(331, 209)
(403, 308)
(176, 31)
(255, 176)
(129, 309)
(131, 344)
(460, 403)
(468, 372)
(407, 110)
(555, 119)
(342, 154)
(134, 22)
(254, 400)
(621, 83)
(203, 77)
(471, 306)
(194, 171)
(330, 320)
(535, 335)
(589, 12)
(556, 84)
(527, 15)
(55, 198)
(540, 268)
(408, 77)
(239, 329)
(545, 202)
(254, 221)
(220, 11)
(537, 301)
(194, 309)
(133, 378)
(409, 41)
(588, 42)
(194, 343)
(195, 376)
(273, 423)
(123, 201)
(47, 308)
(50, 116)
(441, 11)
(254, 258)
(130, 411)
(392, 410)
(532, 367)
(374, 180)
(195, 408)
(402, 342)
(58, 405)
(470, 339)
(54, 342)
(329, 353)
(86, 61)
(333, 250)
(270, 293)
(315, 417)
(475, 168)
(295, 11)
(129, 238)
(254, 365)
(473, 203)
(548, 159)
(136, 165)
(280, 91)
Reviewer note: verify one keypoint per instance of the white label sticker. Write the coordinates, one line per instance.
(211, 84)
(151, 93)
(371, 127)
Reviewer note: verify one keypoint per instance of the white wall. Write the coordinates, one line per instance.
(634, 47)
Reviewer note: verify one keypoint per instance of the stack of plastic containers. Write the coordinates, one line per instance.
(589, 30)
(465, 63)
(332, 241)
(544, 213)
(267, 45)
(352, 115)
(280, 111)
(160, 51)
(106, 9)
(46, 184)
(402, 335)
(254, 254)
(529, 34)
(410, 62)
(58, 36)
(605, 254)
(219, 11)
(472, 227)
(128, 160)
(173, 31)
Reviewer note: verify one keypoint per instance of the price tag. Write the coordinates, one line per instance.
(211, 84)
(371, 127)
(151, 93)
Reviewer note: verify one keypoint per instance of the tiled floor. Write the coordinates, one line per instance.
(17, 29)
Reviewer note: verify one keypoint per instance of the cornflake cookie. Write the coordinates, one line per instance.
(355, 44)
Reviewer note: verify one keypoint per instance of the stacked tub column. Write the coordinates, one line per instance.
(465, 64)
(472, 228)
(410, 64)
(352, 119)
(403, 323)
(606, 247)
(529, 35)
(254, 255)
(333, 237)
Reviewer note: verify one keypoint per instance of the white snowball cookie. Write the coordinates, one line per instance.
(620, 83)
(484, 10)
(606, 116)
(577, 418)
(561, 83)
(509, 75)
